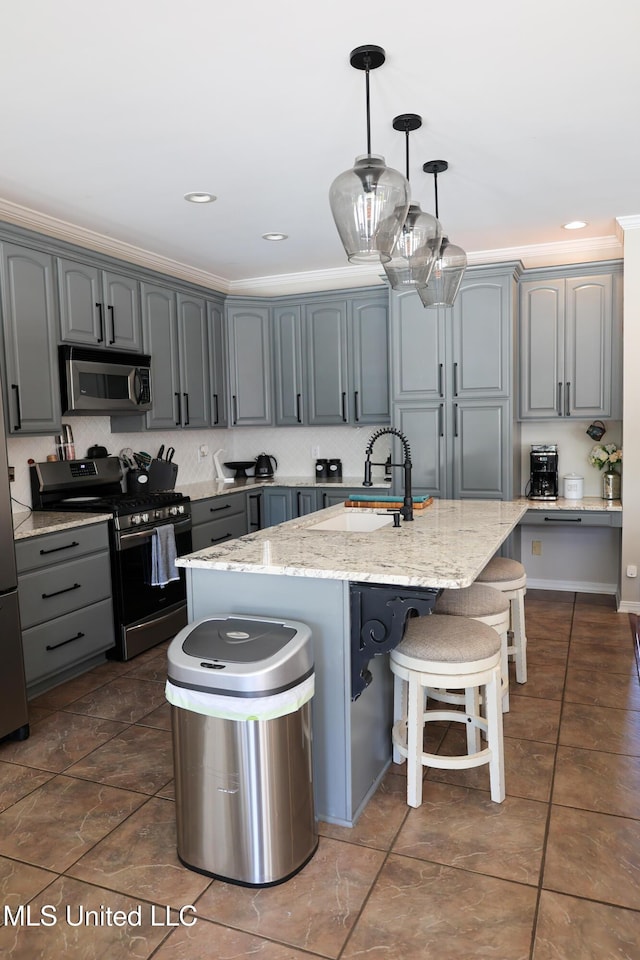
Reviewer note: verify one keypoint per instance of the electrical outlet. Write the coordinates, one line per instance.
(632, 570)
(536, 548)
(203, 452)
(12, 474)
(315, 451)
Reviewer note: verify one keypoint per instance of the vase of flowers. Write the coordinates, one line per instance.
(607, 456)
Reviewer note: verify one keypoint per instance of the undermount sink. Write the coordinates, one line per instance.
(354, 522)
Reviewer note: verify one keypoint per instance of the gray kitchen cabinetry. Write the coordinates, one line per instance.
(570, 343)
(287, 503)
(290, 395)
(249, 346)
(218, 519)
(217, 364)
(64, 590)
(451, 387)
(175, 334)
(346, 352)
(30, 327)
(98, 308)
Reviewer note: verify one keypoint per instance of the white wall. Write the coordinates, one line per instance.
(291, 446)
(573, 449)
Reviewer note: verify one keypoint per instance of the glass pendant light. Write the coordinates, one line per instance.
(418, 245)
(446, 276)
(369, 203)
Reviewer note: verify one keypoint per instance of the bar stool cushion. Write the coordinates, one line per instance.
(478, 600)
(442, 639)
(502, 570)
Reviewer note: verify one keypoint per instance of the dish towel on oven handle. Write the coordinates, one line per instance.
(163, 556)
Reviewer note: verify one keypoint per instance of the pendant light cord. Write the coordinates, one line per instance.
(367, 61)
(435, 187)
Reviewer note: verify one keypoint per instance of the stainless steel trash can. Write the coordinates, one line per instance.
(240, 690)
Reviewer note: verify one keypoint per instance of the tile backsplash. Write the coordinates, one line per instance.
(293, 447)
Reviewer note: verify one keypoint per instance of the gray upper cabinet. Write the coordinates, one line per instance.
(217, 364)
(289, 365)
(30, 325)
(98, 308)
(451, 387)
(175, 335)
(249, 344)
(194, 400)
(347, 359)
(570, 344)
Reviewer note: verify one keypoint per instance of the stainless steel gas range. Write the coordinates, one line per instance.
(145, 614)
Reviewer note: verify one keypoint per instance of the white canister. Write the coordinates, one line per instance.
(573, 486)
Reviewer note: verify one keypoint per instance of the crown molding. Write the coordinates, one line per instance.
(336, 278)
(101, 243)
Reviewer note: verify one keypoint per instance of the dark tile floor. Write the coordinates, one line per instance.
(553, 873)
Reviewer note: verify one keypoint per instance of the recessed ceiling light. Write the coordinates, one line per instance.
(197, 196)
(275, 236)
(575, 225)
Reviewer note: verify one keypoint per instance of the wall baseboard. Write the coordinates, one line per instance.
(574, 586)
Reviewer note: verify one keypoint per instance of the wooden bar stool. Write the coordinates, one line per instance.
(487, 605)
(510, 577)
(456, 653)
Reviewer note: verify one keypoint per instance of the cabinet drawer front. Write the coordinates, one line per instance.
(54, 646)
(202, 511)
(54, 548)
(572, 518)
(217, 531)
(46, 594)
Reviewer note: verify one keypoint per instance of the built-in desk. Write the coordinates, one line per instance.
(571, 545)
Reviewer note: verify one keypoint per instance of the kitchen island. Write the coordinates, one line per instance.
(354, 590)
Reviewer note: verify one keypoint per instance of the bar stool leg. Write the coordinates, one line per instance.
(472, 708)
(415, 728)
(493, 706)
(399, 709)
(519, 636)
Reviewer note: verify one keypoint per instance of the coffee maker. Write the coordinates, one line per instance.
(543, 483)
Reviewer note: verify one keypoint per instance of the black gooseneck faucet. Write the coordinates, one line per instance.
(407, 506)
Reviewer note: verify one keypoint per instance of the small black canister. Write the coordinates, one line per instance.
(335, 469)
(322, 469)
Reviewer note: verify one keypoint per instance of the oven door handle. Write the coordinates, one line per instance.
(126, 540)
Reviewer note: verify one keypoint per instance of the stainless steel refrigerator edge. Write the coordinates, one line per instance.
(13, 696)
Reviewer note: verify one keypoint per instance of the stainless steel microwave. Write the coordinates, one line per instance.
(107, 382)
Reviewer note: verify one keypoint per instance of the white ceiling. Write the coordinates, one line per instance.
(111, 112)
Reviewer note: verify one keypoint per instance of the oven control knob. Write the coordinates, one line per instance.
(174, 511)
(136, 519)
(145, 518)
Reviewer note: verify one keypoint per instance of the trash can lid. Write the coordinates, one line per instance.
(241, 656)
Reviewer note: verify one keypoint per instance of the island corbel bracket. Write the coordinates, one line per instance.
(378, 618)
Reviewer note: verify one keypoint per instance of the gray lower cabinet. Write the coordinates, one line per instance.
(217, 519)
(30, 327)
(98, 308)
(249, 346)
(452, 374)
(287, 503)
(570, 343)
(64, 591)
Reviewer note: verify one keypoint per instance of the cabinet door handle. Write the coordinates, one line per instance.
(18, 425)
(216, 418)
(112, 338)
(47, 596)
(298, 408)
(567, 399)
(63, 643)
(179, 417)
(441, 420)
(101, 322)
(225, 506)
(559, 399)
(225, 536)
(65, 546)
(258, 498)
(186, 409)
(440, 372)
(455, 419)
(235, 408)
(344, 407)
(455, 379)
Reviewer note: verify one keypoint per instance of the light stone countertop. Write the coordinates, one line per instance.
(592, 504)
(39, 522)
(216, 488)
(447, 545)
